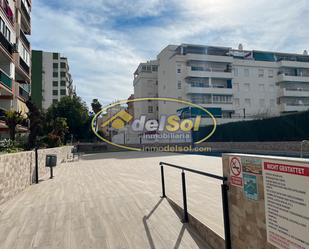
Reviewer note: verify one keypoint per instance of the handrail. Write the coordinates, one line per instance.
(224, 193)
(222, 178)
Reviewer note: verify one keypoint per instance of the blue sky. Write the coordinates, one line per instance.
(106, 39)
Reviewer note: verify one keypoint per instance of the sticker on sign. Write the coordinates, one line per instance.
(236, 171)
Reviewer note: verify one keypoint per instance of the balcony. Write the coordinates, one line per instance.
(285, 107)
(293, 64)
(293, 78)
(210, 90)
(5, 80)
(25, 16)
(23, 94)
(24, 39)
(7, 10)
(206, 57)
(294, 92)
(6, 44)
(24, 66)
(209, 73)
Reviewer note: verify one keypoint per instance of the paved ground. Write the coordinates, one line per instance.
(111, 200)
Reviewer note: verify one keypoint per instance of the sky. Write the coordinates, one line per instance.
(105, 40)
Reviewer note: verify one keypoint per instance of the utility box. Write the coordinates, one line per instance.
(51, 161)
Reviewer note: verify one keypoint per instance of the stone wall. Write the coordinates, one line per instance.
(17, 169)
(248, 216)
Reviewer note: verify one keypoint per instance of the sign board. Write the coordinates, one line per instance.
(250, 186)
(235, 171)
(286, 187)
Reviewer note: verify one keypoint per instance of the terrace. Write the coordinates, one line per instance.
(112, 200)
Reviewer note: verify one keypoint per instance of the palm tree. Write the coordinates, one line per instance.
(12, 119)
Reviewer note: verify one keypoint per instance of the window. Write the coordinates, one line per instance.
(62, 74)
(150, 109)
(55, 101)
(247, 87)
(55, 74)
(236, 72)
(178, 70)
(179, 84)
(55, 56)
(62, 92)
(262, 87)
(8, 34)
(55, 92)
(62, 83)
(156, 82)
(237, 102)
(236, 86)
(55, 83)
(154, 68)
(63, 65)
(55, 65)
(270, 73)
(2, 26)
(248, 102)
(261, 73)
(262, 102)
(246, 72)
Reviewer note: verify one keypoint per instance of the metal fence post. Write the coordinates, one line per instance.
(162, 181)
(184, 193)
(226, 218)
(36, 166)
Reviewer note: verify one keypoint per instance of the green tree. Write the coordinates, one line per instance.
(96, 106)
(76, 113)
(12, 119)
(60, 127)
(36, 120)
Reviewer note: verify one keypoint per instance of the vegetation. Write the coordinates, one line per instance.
(67, 119)
(12, 119)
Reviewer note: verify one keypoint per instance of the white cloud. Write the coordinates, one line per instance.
(103, 56)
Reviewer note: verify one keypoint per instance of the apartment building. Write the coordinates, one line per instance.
(233, 84)
(15, 53)
(146, 86)
(51, 78)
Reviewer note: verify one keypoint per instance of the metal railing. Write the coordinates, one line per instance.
(5, 80)
(224, 192)
(301, 147)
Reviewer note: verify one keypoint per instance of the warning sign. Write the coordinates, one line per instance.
(236, 171)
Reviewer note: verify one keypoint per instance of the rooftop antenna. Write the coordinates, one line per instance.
(240, 47)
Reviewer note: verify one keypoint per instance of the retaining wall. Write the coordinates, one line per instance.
(17, 169)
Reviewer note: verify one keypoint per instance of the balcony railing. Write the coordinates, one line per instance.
(24, 39)
(6, 44)
(23, 93)
(5, 80)
(25, 12)
(7, 10)
(24, 66)
(222, 70)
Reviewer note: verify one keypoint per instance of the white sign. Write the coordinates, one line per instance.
(236, 171)
(286, 187)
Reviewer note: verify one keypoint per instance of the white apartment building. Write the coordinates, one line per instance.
(233, 84)
(15, 53)
(51, 78)
(146, 86)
